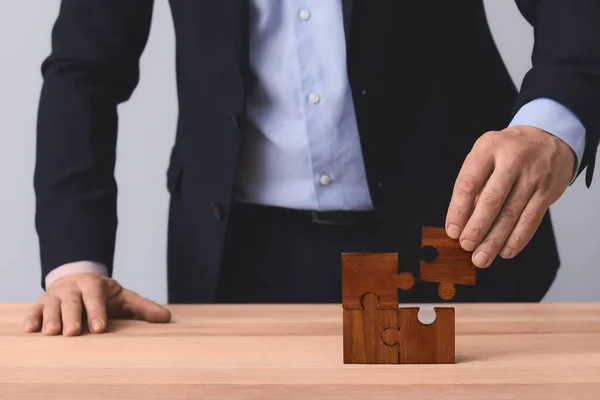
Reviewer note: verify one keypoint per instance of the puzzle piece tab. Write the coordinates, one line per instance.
(452, 265)
(375, 273)
(418, 343)
(362, 333)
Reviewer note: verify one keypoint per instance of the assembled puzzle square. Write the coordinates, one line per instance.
(375, 330)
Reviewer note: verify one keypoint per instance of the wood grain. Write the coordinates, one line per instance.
(375, 273)
(544, 351)
(452, 266)
(419, 343)
(363, 344)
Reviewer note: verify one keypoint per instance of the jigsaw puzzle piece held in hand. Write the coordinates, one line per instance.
(451, 266)
(363, 342)
(419, 343)
(373, 273)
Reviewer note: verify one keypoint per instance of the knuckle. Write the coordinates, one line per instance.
(541, 170)
(530, 219)
(95, 292)
(515, 164)
(70, 293)
(96, 287)
(492, 243)
(520, 152)
(93, 284)
(544, 183)
(492, 199)
(51, 302)
(473, 233)
(91, 279)
(94, 300)
(467, 184)
(459, 211)
(61, 284)
(71, 301)
(531, 178)
(486, 140)
(509, 213)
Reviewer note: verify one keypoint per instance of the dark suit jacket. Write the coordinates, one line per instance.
(427, 81)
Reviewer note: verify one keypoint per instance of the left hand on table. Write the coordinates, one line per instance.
(505, 186)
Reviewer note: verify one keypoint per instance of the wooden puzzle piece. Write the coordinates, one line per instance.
(419, 343)
(451, 266)
(376, 273)
(363, 343)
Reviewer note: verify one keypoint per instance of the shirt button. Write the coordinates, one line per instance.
(314, 98)
(304, 14)
(325, 180)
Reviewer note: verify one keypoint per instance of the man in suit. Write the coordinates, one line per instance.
(311, 129)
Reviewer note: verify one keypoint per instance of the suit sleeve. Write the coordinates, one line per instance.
(92, 68)
(566, 64)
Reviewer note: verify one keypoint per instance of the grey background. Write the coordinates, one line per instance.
(147, 126)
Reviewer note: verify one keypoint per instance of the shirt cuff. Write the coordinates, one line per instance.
(75, 267)
(557, 120)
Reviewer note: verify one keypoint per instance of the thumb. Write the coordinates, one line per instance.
(144, 308)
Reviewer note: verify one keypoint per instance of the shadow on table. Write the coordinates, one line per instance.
(115, 325)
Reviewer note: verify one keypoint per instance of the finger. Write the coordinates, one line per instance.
(144, 308)
(471, 179)
(33, 320)
(488, 206)
(71, 310)
(95, 301)
(504, 224)
(118, 312)
(51, 316)
(529, 220)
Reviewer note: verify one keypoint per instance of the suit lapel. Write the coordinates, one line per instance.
(347, 11)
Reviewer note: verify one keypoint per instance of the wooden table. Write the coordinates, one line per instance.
(541, 351)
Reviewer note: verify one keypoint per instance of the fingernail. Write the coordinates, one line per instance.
(97, 324)
(481, 259)
(28, 325)
(453, 231)
(71, 326)
(506, 253)
(467, 245)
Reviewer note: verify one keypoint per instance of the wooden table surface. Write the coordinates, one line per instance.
(541, 351)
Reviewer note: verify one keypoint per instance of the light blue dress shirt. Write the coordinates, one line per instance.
(303, 150)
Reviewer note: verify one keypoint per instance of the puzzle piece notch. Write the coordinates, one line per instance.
(426, 314)
(451, 266)
(420, 343)
(376, 273)
(362, 333)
